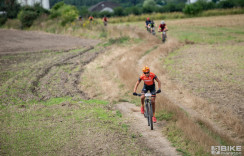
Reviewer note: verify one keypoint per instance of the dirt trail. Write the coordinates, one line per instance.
(122, 66)
(153, 138)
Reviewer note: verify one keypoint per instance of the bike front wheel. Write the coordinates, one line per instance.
(151, 116)
(147, 113)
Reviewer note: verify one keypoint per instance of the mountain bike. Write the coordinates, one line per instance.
(105, 23)
(148, 109)
(164, 36)
(153, 31)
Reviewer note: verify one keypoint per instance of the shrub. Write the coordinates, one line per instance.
(12, 7)
(148, 9)
(105, 13)
(57, 6)
(226, 4)
(27, 17)
(3, 19)
(193, 9)
(118, 11)
(69, 14)
(83, 10)
(40, 10)
(66, 13)
(28, 14)
(149, 6)
(206, 5)
(136, 11)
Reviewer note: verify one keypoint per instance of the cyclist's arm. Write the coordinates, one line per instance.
(137, 83)
(159, 28)
(159, 83)
(166, 28)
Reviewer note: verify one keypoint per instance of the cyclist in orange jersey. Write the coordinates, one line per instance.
(149, 84)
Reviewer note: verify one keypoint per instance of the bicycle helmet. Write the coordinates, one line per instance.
(162, 22)
(145, 69)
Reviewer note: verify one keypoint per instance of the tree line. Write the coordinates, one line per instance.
(27, 14)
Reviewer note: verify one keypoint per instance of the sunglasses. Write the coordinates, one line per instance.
(146, 72)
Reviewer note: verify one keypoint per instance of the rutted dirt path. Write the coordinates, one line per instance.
(58, 74)
(152, 138)
(55, 73)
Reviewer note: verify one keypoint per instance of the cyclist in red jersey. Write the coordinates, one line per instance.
(162, 27)
(90, 18)
(148, 78)
(105, 20)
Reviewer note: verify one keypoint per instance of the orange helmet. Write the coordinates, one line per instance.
(145, 69)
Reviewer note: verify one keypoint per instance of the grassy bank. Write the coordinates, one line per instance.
(210, 65)
(66, 125)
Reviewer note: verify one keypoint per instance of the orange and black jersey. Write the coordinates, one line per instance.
(148, 80)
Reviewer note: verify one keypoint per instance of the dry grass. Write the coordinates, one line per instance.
(215, 74)
(217, 21)
(123, 65)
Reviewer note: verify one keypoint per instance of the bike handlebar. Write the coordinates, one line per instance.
(141, 94)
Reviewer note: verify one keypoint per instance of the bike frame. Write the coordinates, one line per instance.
(148, 109)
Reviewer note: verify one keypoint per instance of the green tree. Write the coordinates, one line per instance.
(12, 8)
(66, 13)
(226, 4)
(193, 9)
(118, 11)
(149, 3)
(149, 6)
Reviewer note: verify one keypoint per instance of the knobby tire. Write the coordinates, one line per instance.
(147, 113)
(150, 116)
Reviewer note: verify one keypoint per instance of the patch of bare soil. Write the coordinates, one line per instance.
(152, 138)
(44, 74)
(16, 41)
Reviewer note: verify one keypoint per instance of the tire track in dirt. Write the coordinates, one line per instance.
(122, 64)
(62, 62)
(152, 138)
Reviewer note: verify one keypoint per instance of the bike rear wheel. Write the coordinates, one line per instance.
(150, 116)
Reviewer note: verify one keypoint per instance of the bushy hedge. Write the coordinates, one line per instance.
(3, 19)
(193, 9)
(200, 5)
(28, 14)
(10, 9)
(27, 17)
(66, 13)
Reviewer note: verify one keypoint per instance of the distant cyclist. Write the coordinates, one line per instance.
(152, 27)
(162, 27)
(90, 18)
(149, 85)
(105, 20)
(148, 21)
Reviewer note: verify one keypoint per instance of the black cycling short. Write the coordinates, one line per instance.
(147, 88)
